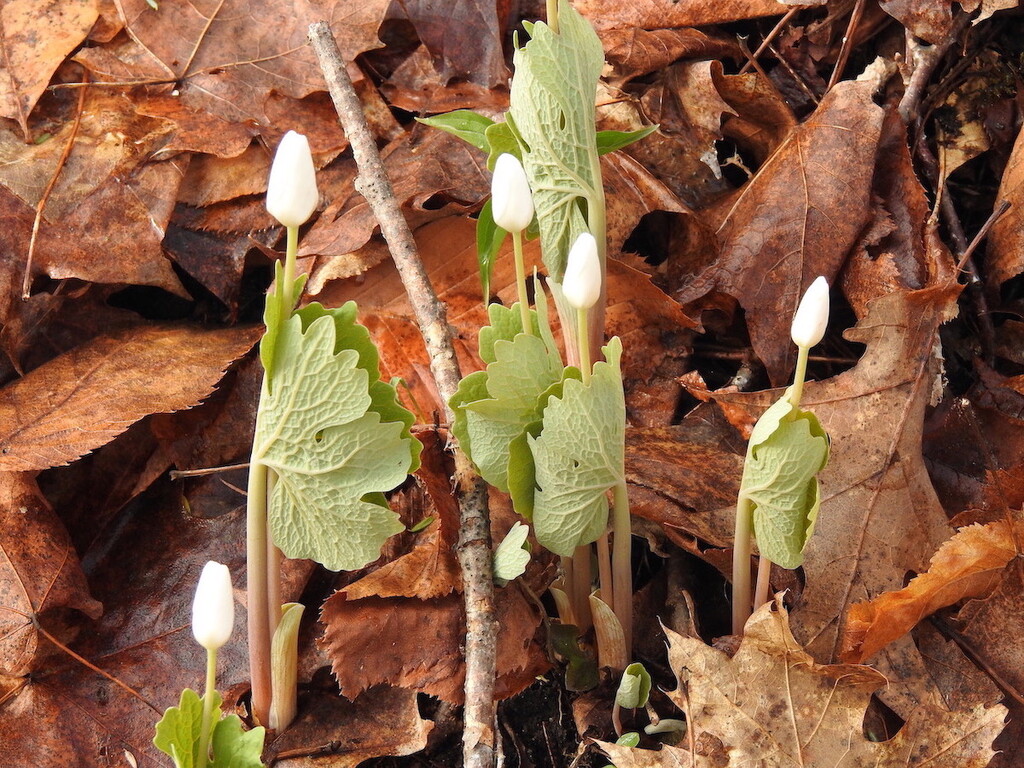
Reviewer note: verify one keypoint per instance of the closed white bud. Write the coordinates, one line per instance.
(291, 192)
(213, 609)
(581, 283)
(511, 201)
(811, 316)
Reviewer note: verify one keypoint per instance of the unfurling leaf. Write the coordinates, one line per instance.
(609, 141)
(177, 735)
(335, 438)
(512, 555)
(463, 123)
(579, 457)
(787, 449)
(552, 111)
(634, 688)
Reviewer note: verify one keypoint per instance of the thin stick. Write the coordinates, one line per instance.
(844, 52)
(474, 547)
(26, 281)
(1000, 209)
(768, 40)
(177, 474)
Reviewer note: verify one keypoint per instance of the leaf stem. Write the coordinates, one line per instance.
(764, 572)
(622, 564)
(552, 6)
(741, 563)
(797, 392)
(206, 724)
(604, 570)
(524, 306)
(581, 578)
(257, 586)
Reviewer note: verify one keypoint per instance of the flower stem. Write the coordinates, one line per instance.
(798, 377)
(741, 563)
(622, 564)
(291, 251)
(206, 727)
(604, 570)
(258, 586)
(524, 306)
(583, 344)
(552, 6)
(764, 572)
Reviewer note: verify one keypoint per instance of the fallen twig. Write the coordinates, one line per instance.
(474, 547)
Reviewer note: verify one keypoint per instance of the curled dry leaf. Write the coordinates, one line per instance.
(772, 704)
(1005, 256)
(656, 14)
(969, 565)
(86, 397)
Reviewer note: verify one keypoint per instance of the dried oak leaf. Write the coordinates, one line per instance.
(84, 398)
(796, 219)
(772, 704)
(35, 36)
(39, 571)
(880, 517)
(968, 565)
(657, 14)
(417, 644)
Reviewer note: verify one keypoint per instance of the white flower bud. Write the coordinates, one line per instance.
(511, 202)
(291, 192)
(811, 316)
(213, 609)
(581, 283)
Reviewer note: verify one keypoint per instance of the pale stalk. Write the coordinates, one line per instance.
(258, 608)
(797, 391)
(582, 346)
(764, 572)
(741, 563)
(552, 6)
(524, 307)
(604, 571)
(206, 726)
(622, 564)
(289, 269)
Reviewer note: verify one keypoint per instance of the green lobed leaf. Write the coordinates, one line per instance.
(579, 457)
(787, 449)
(463, 123)
(609, 141)
(322, 433)
(552, 111)
(177, 733)
(489, 238)
(512, 555)
(235, 747)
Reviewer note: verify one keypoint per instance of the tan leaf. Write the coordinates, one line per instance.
(86, 397)
(658, 14)
(968, 565)
(772, 704)
(1006, 238)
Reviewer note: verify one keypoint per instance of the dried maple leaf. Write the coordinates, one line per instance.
(968, 565)
(85, 397)
(796, 219)
(772, 704)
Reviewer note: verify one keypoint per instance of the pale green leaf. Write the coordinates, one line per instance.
(501, 140)
(234, 747)
(274, 314)
(634, 687)
(512, 555)
(579, 457)
(552, 111)
(464, 123)
(177, 733)
(787, 449)
(329, 450)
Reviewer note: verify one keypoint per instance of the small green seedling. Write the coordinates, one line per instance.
(633, 693)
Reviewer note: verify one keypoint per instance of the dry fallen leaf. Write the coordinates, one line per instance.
(772, 704)
(968, 565)
(86, 397)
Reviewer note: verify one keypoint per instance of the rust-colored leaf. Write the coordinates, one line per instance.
(968, 565)
(657, 14)
(796, 219)
(1005, 257)
(86, 397)
(35, 36)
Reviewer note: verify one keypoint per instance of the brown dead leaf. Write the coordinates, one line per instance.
(968, 565)
(796, 219)
(762, 119)
(772, 704)
(1005, 254)
(930, 20)
(40, 571)
(880, 517)
(657, 14)
(30, 55)
(383, 721)
(633, 52)
(416, 644)
(84, 398)
(196, 131)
